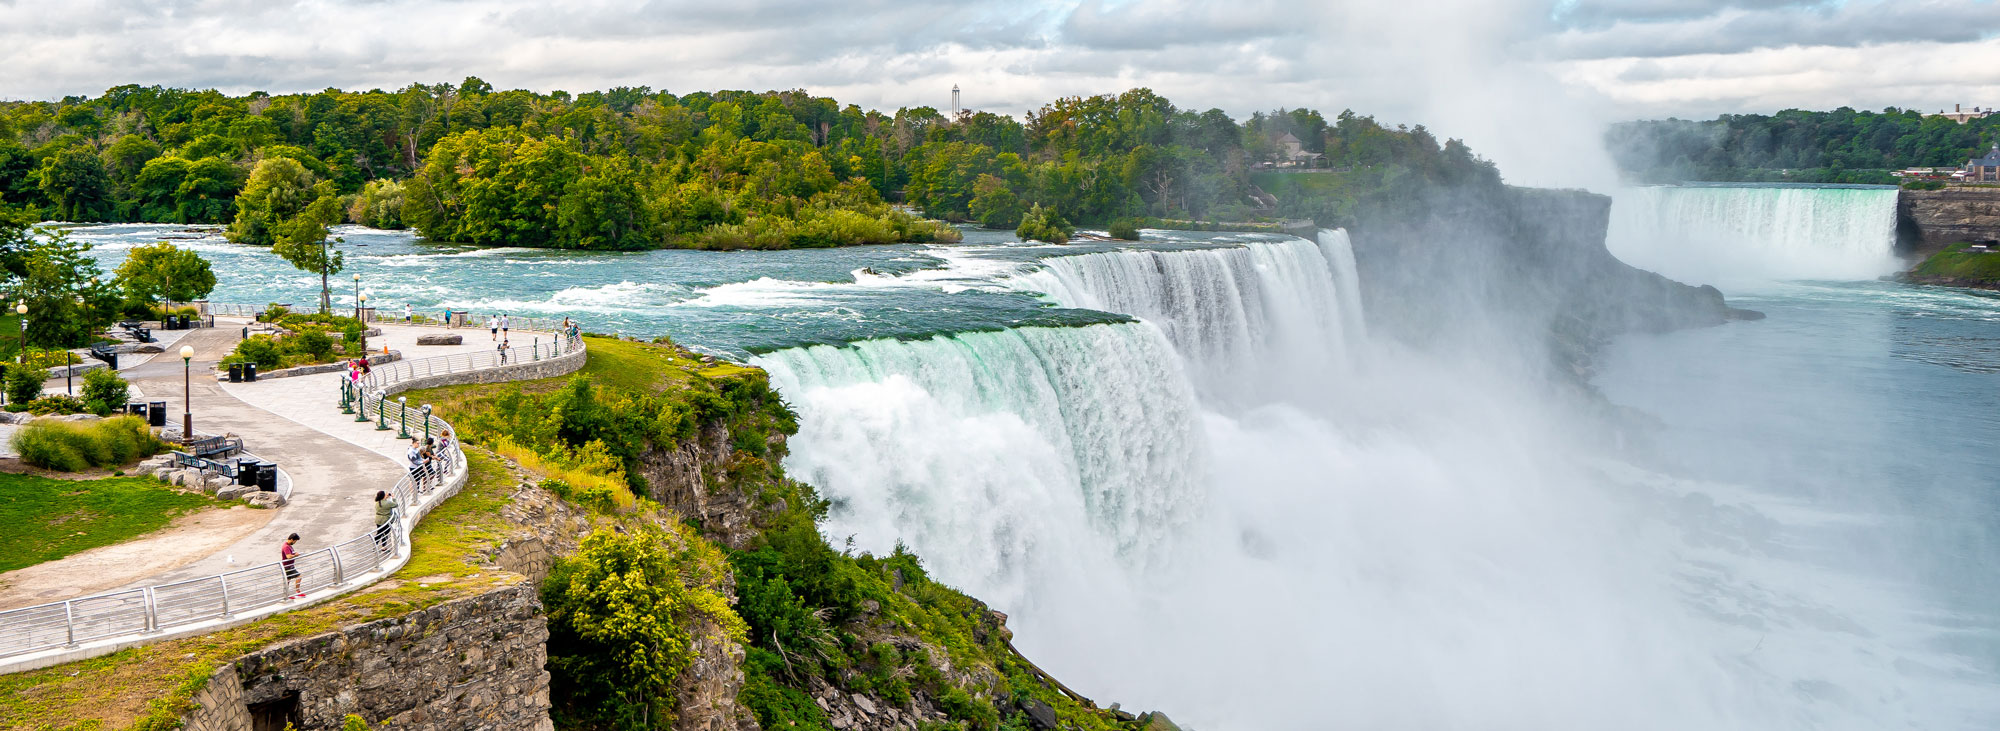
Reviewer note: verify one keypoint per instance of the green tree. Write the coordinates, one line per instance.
(165, 272)
(279, 188)
(604, 210)
(76, 183)
(994, 204)
(302, 240)
(66, 298)
(619, 617)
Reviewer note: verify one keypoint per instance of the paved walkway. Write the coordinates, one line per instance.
(284, 420)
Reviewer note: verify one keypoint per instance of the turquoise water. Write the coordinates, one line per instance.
(727, 302)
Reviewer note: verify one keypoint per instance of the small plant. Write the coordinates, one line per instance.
(273, 313)
(314, 342)
(56, 404)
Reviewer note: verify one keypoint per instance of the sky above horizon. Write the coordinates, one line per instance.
(1521, 80)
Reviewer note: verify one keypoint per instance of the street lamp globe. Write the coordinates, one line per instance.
(20, 308)
(187, 352)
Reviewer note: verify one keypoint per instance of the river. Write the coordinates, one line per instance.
(1198, 481)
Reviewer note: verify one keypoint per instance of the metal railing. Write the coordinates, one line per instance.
(137, 614)
(465, 320)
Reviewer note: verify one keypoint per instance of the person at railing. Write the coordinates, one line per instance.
(385, 516)
(417, 458)
(503, 352)
(445, 447)
(286, 555)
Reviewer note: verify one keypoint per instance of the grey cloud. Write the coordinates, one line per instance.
(1847, 25)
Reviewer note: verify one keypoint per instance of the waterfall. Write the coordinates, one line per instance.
(1233, 314)
(1746, 234)
(999, 454)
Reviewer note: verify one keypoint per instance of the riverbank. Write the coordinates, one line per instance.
(1967, 265)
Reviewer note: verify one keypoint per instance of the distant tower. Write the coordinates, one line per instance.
(955, 108)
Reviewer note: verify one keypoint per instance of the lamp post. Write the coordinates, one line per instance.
(403, 416)
(360, 300)
(21, 308)
(427, 423)
(187, 393)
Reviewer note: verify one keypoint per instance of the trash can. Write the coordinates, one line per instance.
(236, 373)
(136, 408)
(173, 322)
(156, 413)
(249, 371)
(246, 472)
(267, 477)
(144, 334)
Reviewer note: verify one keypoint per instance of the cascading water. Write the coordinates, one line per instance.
(1382, 540)
(1743, 235)
(1234, 314)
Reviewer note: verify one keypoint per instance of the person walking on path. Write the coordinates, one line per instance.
(493, 326)
(503, 326)
(385, 512)
(409, 315)
(415, 455)
(286, 555)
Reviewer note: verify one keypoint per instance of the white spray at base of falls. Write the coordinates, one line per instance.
(1741, 236)
(1402, 542)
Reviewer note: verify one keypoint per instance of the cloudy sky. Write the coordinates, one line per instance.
(1517, 78)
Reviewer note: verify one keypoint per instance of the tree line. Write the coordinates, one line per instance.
(1840, 146)
(634, 168)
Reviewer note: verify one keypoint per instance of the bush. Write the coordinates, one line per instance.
(313, 342)
(1126, 228)
(68, 446)
(1923, 185)
(260, 349)
(104, 391)
(272, 313)
(1044, 224)
(24, 383)
(56, 404)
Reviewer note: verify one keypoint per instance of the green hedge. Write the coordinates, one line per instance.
(68, 446)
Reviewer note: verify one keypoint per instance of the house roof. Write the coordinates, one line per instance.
(1992, 158)
(1287, 137)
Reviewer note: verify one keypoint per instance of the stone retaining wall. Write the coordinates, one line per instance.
(561, 365)
(473, 663)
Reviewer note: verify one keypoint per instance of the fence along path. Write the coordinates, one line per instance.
(73, 629)
(434, 317)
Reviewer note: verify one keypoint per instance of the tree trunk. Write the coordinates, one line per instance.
(325, 295)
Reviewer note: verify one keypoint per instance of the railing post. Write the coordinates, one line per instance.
(69, 624)
(339, 574)
(152, 610)
(224, 578)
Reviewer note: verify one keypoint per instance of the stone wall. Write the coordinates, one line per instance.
(1927, 220)
(473, 663)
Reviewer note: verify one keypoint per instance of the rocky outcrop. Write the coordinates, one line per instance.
(473, 663)
(1927, 220)
(696, 478)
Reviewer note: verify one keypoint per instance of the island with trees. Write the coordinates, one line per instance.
(633, 168)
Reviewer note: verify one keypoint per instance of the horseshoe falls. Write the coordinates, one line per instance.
(1741, 235)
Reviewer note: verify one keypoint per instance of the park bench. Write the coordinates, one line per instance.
(213, 446)
(226, 469)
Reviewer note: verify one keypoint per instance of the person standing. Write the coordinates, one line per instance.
(385, 513)
(503, 352)
(286, 556)
(415, 456)
(493, 326)
(409, 315)
(503, 326)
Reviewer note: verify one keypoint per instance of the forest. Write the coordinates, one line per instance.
(1840, 146)
(634, 168)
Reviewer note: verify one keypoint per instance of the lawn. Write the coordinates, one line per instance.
(43, 519)
(149, 687)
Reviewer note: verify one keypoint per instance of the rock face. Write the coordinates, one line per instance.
(473, 663)
(693, 479)
(1927, 220)
(438, 339)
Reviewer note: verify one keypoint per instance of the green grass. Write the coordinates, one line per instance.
(1955, 262)
(150, 687)
(43, 519)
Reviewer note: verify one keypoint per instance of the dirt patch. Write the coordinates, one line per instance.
(187, 539)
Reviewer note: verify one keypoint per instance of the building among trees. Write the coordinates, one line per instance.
(1985, 169)
(1959, 115)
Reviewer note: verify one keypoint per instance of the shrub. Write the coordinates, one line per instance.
(103, 391)
(260, 349)
(1044, 224)
(313, 342)
(68, 446)
(1126, 228)
(56, 404)
(1923, 185)
(272, 313)
(24, 383)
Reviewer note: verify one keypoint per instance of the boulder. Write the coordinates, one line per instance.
(164, 474)
(77, 417)
(235, 492)
(262, 499)
(215, 484)
(150, 348)
(1043, 716)
(15, 417)
(440, 339)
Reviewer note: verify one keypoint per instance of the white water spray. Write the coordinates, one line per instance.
(1741, 236)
